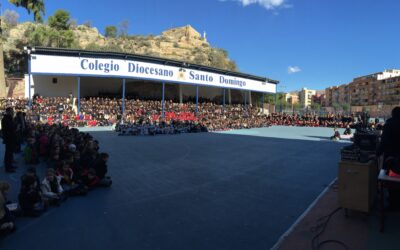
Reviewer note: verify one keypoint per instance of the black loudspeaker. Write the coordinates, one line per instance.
(55, 80)
(366, 141)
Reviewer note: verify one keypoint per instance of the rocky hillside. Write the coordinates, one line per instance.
(183, 43)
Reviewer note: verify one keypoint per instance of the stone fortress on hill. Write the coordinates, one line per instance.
(182, 43)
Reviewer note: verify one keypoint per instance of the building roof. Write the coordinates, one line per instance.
(144, 58)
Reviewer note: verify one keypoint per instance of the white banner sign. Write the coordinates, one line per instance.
(85, 66)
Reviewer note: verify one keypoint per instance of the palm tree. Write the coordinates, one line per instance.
(35, 6)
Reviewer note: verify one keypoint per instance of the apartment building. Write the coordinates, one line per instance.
(381, 88)
(305, 96)
(389, 91)
(318, 98)
(292, 98)
(331, 96)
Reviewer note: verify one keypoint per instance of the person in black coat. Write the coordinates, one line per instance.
(9, 138)
(390, 140)
(100, 165)
(390, 147)
(19, 122)
(30, 197)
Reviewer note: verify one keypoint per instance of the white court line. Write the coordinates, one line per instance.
(301, 217)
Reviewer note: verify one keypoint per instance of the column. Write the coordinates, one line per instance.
(163, 100)
(79, 95)
(223, 98)
(249, 97)
(262, 103)
(197, 99)
(123, 98)
(180, 94)
(29, 82)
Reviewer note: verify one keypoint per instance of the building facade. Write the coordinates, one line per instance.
(389, 91)
(305, 97)
(292, 98)
(375, 92)
(318, 98)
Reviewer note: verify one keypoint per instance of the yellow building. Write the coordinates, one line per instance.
(305, 96)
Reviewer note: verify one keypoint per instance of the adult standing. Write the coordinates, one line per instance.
(9, 139)
(390, 141)
(390, 147)
(19, 122)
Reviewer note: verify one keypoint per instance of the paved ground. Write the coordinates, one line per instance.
(357, 231)
(236, 190)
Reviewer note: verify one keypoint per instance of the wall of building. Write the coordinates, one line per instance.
(91, 86)
(367, 91)
(206, 92)
(305, 96)
(44, 86)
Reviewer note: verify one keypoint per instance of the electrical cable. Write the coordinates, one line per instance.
(319, 229)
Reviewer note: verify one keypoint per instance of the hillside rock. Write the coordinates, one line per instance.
(181, 43)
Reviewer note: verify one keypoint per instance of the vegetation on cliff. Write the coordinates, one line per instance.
(60, 31)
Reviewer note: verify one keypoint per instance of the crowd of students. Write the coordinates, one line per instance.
(165, 128)
(103, 111)
(71, 162)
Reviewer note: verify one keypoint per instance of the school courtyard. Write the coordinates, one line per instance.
(239, 189)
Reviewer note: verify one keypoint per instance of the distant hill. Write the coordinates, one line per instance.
(182, 43)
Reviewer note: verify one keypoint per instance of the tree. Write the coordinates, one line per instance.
(35, 6)
(232, 65)
(93, 46)
(60, 20)
(123, 28)
(50, 37)
(111, 31)
(316, 107)
(11, 17)
(296, 106)
(283, 104)
(346, 107)
(73, 24)
(269, 98)
(216, 59)
(336, 106)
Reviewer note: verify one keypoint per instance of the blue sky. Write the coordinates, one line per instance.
(301, 43)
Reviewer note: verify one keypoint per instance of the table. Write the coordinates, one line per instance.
(385, 181)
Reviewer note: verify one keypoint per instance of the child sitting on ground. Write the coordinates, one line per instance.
(336, 135)
(68, 184)
(51, 188)
(30, 197)
(100, 165)
(7, 224)
(347, 131)
(91, 180)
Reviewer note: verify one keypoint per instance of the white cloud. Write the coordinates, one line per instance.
(293, 69)
(268, 4)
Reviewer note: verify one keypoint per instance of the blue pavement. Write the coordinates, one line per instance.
(232, 190)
